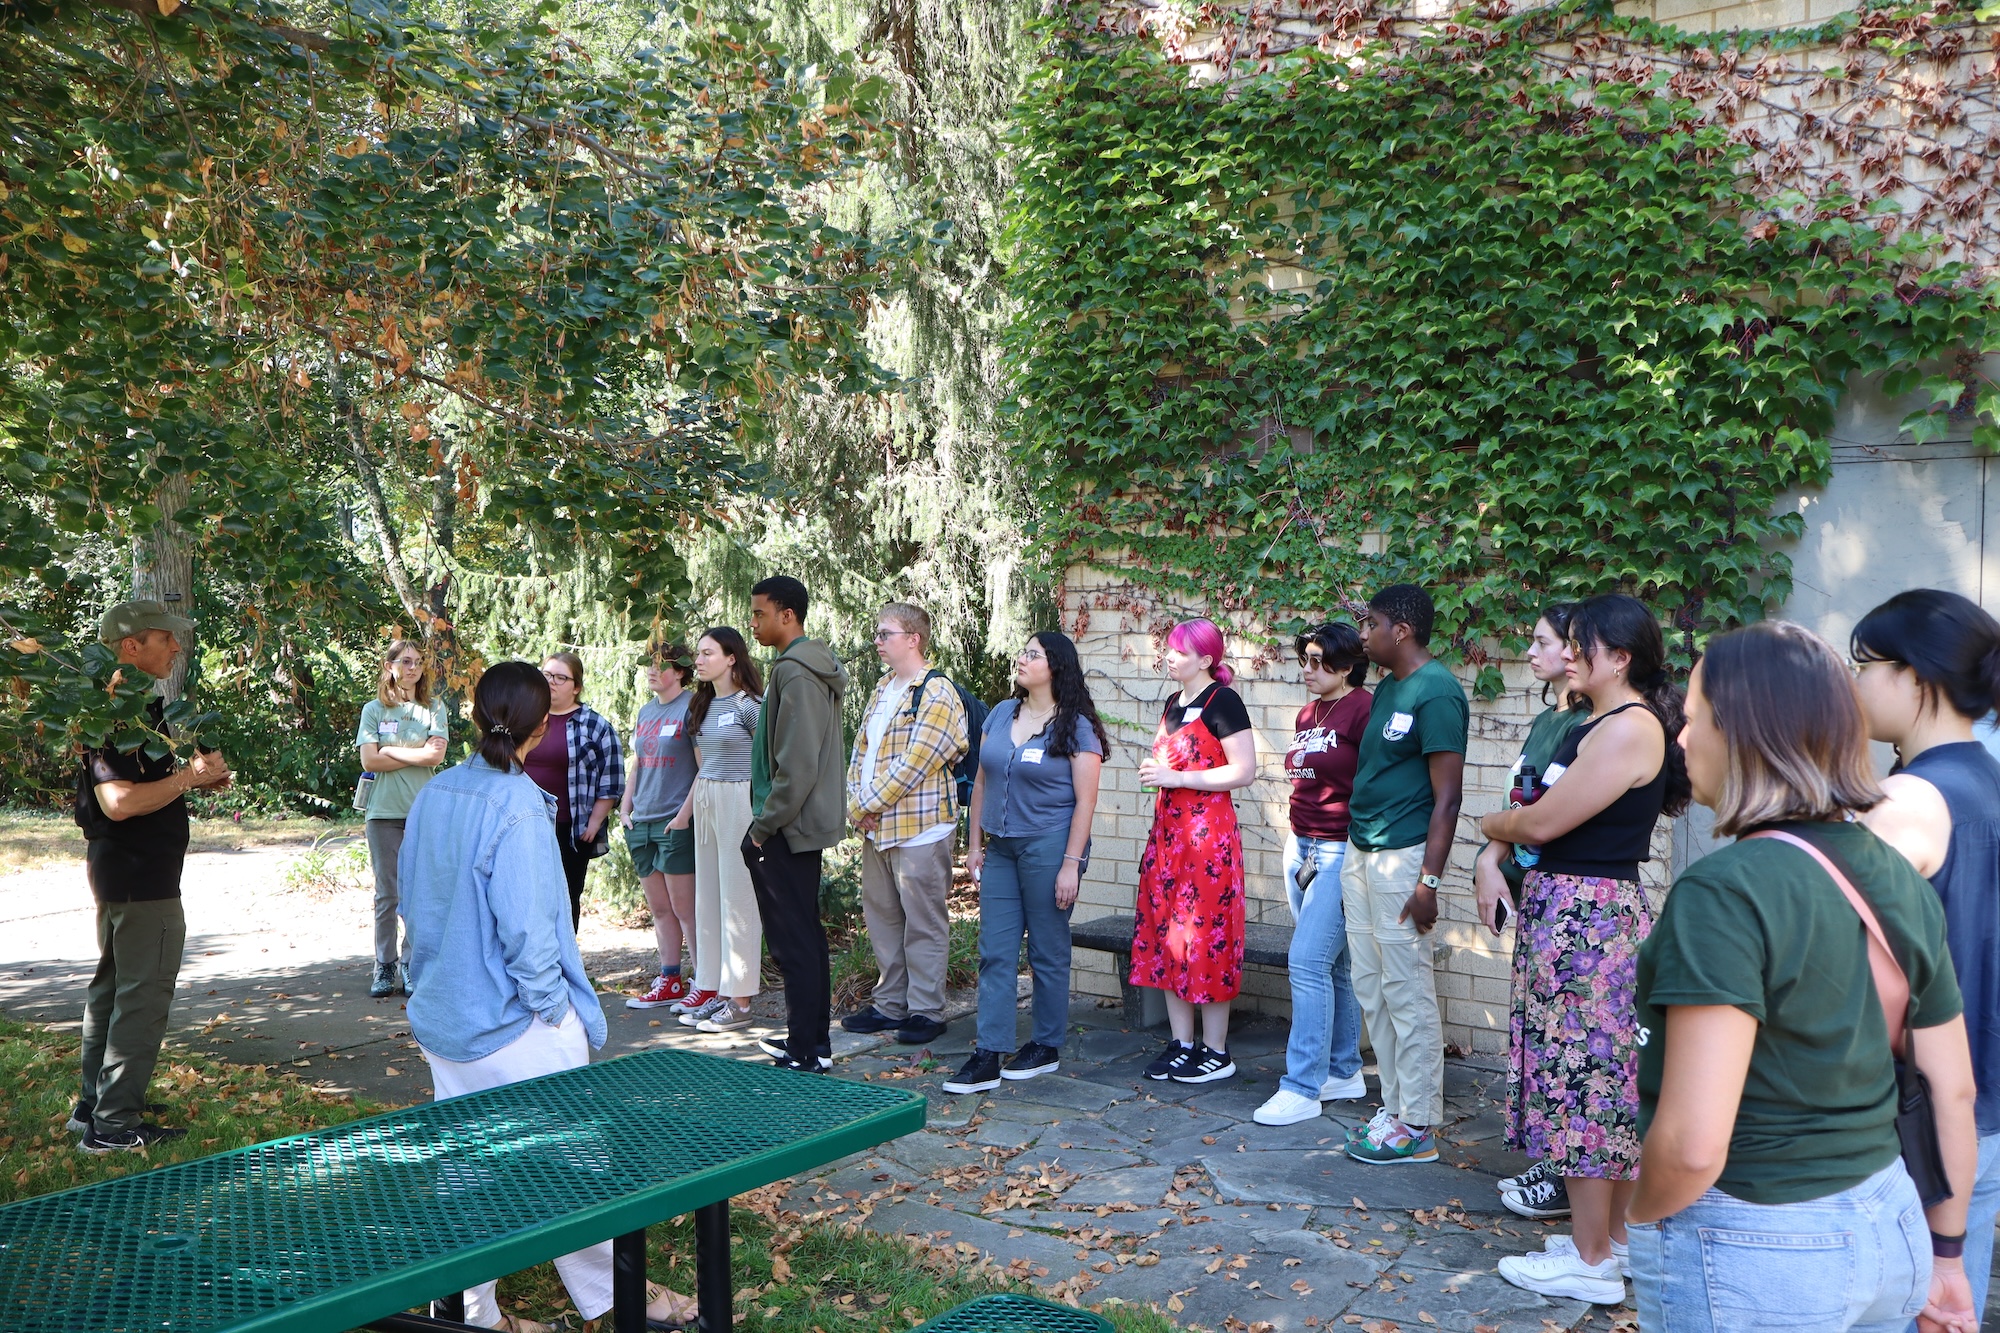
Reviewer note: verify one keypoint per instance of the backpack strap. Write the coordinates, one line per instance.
(1892, 987)
(917, 695)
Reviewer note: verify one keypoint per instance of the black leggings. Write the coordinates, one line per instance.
(576, 864)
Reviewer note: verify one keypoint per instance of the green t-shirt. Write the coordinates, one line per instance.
(1759, 925)
(405, 724)
(1545, 736)
(1423, 714)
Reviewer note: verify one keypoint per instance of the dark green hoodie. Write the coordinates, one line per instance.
(798, 763)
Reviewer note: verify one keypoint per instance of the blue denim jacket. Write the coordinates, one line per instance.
(491, 945)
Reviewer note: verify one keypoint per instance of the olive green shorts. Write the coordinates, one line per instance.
(657, 849)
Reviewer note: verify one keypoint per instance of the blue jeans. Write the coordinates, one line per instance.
(1326, 1022)
(1017, 894)
(1980, 1216)
(1854, 1262)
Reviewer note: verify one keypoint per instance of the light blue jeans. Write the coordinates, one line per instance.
(1326, 1022)
(1017, 894)
(1854, 1262)
(1980, 1216)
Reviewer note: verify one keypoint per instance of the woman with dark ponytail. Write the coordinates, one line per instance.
(1927, 666)
(498, 992)
(1574, 1096)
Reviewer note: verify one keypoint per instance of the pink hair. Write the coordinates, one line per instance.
(1200, 638)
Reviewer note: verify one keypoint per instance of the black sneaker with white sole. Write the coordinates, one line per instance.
(819, 1066)
(1539, 1171)
(980, 1073)
(777, 1050)
(1547, 1197)
(1167, 1059)
(130, 1140)
(1203, 1065)
(1033, 1059)
(79, 1119)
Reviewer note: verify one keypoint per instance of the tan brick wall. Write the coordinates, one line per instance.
(1117, 631)
(1723, 15)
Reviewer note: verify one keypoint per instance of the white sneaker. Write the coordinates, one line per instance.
(1343, 1089)
(1565, 1276)
(1620, 1250)
(1287, 1108)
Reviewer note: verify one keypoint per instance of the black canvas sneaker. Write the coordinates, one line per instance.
(980, 1073)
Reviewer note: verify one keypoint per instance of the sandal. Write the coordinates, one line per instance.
(669, 1309)
(513, 1323)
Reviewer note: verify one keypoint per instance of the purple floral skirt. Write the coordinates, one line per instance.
(1573, 1080)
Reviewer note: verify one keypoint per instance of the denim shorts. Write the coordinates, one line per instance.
(1858, 1260)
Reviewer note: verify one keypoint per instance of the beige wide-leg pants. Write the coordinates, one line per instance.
(1391, 965)
(729, 935)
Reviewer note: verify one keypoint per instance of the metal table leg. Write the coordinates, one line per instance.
(628, 1282)
(711, 1267)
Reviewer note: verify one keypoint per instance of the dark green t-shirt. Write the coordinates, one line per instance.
(1759, 925)
(1422, 714)
(1545, 736)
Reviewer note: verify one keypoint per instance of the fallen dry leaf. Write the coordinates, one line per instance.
(1174, 1305)
(781, 1268)
(1424, 1315)
(1302, 1287)
(1293, 1263)
(1215, 1265)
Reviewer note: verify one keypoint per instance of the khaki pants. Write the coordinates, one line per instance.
(728, 932)
(1393, 983)
(903, 891)
(125, 1013)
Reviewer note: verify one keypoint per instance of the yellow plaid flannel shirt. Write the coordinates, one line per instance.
(912, 786)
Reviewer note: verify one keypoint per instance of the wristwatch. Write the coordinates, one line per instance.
(1431, 882)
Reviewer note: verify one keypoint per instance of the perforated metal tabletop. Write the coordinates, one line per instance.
(324, 1231)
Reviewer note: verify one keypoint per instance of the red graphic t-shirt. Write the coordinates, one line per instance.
(1326, 746)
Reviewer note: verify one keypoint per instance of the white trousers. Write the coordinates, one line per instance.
(540, 1050)
(728, 932)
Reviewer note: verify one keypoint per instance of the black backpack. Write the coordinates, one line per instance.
(967, 766)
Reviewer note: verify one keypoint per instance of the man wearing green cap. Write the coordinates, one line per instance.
(133, 812)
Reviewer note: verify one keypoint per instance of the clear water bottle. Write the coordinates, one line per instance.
(362, 788)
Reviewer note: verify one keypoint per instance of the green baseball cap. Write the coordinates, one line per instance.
(130, 619)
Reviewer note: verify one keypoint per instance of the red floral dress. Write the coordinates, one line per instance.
(1189, 937)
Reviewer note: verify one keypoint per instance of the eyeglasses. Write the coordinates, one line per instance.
(1856, 665)
(882, 634)
(558, 675)
(1313, 661)
(1033, 655)
(407, 663)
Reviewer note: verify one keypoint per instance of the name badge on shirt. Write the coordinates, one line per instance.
(1033, 756)
(1191, 715)
(1398, 726)
(1555, 771)
(388, 731)
(670, 729)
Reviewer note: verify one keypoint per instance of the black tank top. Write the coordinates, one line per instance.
(1611, 843)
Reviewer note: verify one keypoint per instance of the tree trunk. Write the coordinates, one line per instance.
(163, 570)
(371, 490)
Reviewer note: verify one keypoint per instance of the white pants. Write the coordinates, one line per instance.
(540, 1050)
(728, 933)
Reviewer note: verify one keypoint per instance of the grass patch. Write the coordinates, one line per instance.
(789, 1277)
(31, 838)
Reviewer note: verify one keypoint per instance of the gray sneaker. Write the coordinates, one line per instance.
(384, 984)
(701, 1013)
(726, 1019)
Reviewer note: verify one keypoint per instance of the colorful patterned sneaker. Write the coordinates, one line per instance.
(1564, 1275)
(1620, 1250)
(694, 999)
(1547, 1197)
(694, 1018)
(1401, 1145)
(666, 990)
(1167, 1059)
(1539, 1171)
(1378, 1125)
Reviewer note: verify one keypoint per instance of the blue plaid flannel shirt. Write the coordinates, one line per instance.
(596, 772)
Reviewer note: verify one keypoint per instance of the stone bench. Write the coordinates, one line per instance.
(1146, 1006)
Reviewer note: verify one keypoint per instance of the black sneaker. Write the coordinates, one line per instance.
(1164, 1065)
(919, 1030)
(1203, 1066)
(1033, 1059)
(385, 982)
(818, 1066)
(870, 1019)
(777, 1050)
(1547, 1197)
(131, 1140)
(980, 1073)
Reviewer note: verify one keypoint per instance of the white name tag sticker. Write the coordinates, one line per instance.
(1398, 726)
(670, 728)
(1033, 756)
(389, 730)
(1555, 771)
(1192, 715)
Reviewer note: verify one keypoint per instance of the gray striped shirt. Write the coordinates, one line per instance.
(724, 738)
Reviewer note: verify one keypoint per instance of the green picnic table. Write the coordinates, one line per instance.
(345, 1227)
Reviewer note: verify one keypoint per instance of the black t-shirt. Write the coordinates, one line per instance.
(136, 860)
(1218, 706)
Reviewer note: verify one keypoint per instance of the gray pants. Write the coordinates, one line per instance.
(385, 843)
(125, 1014)
(903, 892)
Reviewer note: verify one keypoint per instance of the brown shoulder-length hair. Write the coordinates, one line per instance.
(1798, 745)
(575, 665)
(743, 674)
(386, 690)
